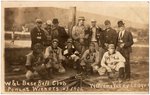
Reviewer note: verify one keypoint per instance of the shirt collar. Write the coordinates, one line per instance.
(95, 26)
(71, 46)
(122, 32)
(112, 54)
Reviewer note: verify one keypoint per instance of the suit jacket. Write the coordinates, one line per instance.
(127, 39)
(61, 35)
(99, 35)
(110, 36)
(37, 36)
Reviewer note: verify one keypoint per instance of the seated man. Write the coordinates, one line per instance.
(71, 55)
(112, 61)
(90, 60)
(35, 63)
(54, 57)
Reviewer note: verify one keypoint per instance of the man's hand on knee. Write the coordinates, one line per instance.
(108, 69)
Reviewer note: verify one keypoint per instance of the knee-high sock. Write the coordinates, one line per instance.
(121, 72)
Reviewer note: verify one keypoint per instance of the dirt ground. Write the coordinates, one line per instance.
(138, 82)
(15, 72)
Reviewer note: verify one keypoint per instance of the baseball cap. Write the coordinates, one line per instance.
(93, 20)
(81, 18)
(111, 46)
(48, 22)
(107, 22)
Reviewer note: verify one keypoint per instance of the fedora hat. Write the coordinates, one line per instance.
(120, 23)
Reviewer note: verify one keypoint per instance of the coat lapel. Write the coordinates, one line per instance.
(124, 35)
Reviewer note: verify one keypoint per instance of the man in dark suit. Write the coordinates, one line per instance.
(37, 34)
(59, 33)
(125, 41)
(110, 35)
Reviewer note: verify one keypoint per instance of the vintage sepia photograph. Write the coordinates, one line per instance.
(77, 46)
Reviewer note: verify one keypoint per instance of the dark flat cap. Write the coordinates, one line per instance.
(120, 23)
(55, 21)
(107, 22)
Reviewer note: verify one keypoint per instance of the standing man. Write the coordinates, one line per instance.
(125, 41)
(80, 35)
(37, 34)
(48, 32)
(110, 35)
(95, 34)
(59, 33)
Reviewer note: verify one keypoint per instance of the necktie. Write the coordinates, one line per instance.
(121, 35)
